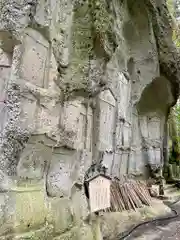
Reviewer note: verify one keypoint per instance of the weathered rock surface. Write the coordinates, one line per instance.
(78, 79)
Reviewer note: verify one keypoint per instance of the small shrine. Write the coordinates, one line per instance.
(98, 187)
(99, 192)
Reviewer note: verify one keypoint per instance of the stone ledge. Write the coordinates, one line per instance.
(43, 233)
(46, 233)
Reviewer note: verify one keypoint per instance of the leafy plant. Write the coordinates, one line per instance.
(174, 10)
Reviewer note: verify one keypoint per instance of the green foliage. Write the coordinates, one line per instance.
(103, 27)
(176, 37)
(176, 31)
(174, 133)
(174, 118)
(171, 7)
(101, 16)
(177, 117)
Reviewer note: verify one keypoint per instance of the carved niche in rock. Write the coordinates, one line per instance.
(116, 165)
(28, 106)
(144, 126)
(59, 181)
(123, 134)
(47, 119)
(52, 73)
(124, 161)
(124, 91)
(137, 160)
(34, 58)
(33, 161)
(150, 126)
(67, 168)
(120, 163)
(136, 132)
(123, 125)
(107, 105)
(126, 134)
(107, 162)
(119, 133)
(5, 68)
(154, 155)
(132, 161)
(77, 120)
(154, 128)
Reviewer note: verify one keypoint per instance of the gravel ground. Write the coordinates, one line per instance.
(165, 230)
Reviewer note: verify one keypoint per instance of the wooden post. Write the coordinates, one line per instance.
(98, 234)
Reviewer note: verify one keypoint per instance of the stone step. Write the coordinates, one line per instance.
(171, 191)
(168, 187)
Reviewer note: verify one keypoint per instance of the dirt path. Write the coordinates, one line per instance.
(166, 230)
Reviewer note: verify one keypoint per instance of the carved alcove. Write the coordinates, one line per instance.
(35, 47)
(77, 120)
(152, 108)
(59, 178)
(123, 125)
(33, 162)
(5, 69)
(106, 120)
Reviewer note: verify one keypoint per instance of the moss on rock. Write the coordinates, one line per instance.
(60, 215)
(81, 50)
(101, 16)
(30, 210)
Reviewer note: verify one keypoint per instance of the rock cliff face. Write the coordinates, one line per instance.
(79, 80)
